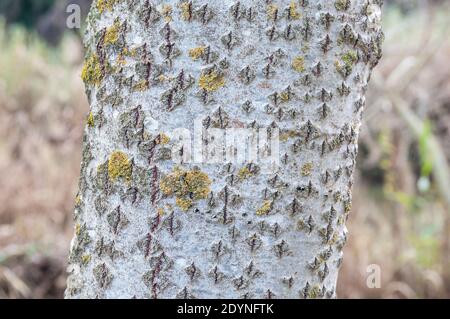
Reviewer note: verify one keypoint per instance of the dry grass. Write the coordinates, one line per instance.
(42, 105)
(394, 224)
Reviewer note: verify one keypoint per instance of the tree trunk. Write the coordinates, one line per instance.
(157, 219)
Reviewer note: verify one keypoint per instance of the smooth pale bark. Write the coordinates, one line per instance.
(147, 227)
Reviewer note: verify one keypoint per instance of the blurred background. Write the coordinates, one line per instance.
(401, 210)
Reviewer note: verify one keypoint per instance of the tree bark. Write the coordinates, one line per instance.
(149, 227)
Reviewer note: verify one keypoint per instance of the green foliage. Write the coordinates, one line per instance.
(426, 158)
(427, 246)
(23, 56)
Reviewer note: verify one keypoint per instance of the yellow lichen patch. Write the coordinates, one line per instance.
(186, 186)
(285, 96)
(78, 200)
(211, 81)
(105, 5)
(146, 135)
(196, 53)
(298, 64)
(121, 58)
(166, 12)
(342, 5)
(198, 184)
(314, 292)
(288, 135)
(77, 229)
(265, 208)
(337, 196)
(92, 71)
(348, 59)
(85, 259)
(119, 166)
(90, 120)
(293, 13)
(347, 207)
(333, 239)
(272, 11)
(184, 204)
(245, 173)
(339, 67)
(186, 9)
(112, 34)
(161, 212)
(163, 139)
(128, 52)
(306, 169)
(141, 86)
(163, 78)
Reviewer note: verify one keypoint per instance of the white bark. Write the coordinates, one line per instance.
(300, 66)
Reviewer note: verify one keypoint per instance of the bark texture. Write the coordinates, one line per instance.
(149, 228)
